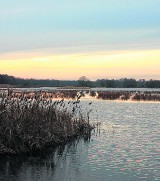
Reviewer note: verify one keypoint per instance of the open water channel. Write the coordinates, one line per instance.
(125, 147)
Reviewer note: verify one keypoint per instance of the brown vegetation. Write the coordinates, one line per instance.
(33, 121)
(127, 95)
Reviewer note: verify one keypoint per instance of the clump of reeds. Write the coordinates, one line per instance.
(28, 125)
(128, 95)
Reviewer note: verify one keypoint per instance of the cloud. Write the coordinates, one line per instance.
(69, 25)
(81, 41)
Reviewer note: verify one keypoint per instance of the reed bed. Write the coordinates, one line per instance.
(43, 94)
(127, 95)
(29, 124)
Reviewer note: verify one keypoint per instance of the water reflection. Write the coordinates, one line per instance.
(51, 165)
(125, 147)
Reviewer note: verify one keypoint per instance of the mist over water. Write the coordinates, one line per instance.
(125, 146)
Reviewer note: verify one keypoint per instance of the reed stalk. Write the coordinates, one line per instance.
(31, 124)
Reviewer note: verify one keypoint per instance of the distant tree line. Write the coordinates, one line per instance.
(20, 82)
(128, 83)
(82, 81)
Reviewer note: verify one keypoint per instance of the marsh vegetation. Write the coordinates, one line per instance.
(30, 122)
(34, 120)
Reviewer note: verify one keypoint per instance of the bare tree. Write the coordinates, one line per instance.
(84, 81)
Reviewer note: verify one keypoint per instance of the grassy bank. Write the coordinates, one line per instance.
(29, 125)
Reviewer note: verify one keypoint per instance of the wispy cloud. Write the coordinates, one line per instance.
(98, 24)
(58, 36)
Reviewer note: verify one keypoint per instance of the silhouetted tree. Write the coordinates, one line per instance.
(84, 81)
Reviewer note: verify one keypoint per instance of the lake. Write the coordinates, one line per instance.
(125, 147)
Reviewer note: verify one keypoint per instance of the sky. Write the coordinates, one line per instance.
(67, 39)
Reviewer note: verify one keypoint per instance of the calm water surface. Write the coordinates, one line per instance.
(125, 147)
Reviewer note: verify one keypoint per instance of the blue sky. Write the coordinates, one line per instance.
(66, 39)
(86, 25)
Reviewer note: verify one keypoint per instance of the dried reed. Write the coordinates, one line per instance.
(28, 124)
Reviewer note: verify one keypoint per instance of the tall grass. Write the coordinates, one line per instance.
(31, 124)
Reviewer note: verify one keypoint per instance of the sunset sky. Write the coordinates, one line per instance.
(66, 39)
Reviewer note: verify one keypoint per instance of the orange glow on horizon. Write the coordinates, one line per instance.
(115, 64)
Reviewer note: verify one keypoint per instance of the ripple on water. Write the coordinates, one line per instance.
(125, 147)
